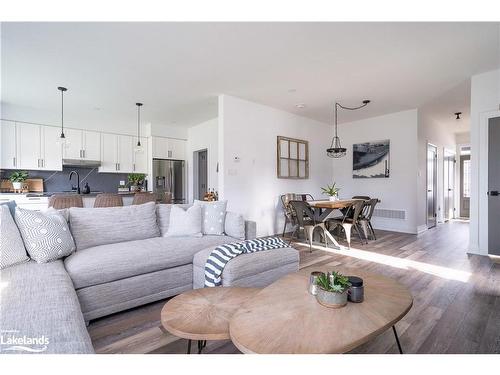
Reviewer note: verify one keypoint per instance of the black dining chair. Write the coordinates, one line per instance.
(364, 197)
(308, 220)
(366, 216)
(350, 221)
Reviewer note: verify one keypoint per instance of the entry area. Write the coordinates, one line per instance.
(200, 174)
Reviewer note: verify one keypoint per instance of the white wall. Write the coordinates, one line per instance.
(248, 131)
(200, 137)
(399, 190)
(485, 100)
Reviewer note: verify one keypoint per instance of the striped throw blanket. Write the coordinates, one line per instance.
(224, 253)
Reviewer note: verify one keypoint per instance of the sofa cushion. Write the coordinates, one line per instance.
(105, 263)
(45, 234)
(213, 216)
(12, 249)
(163, 215)
(184, 222)
(39, 301)
(11, 205)
(234, 225)
(100, 226)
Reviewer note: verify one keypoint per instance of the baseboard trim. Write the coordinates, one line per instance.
(421, 229)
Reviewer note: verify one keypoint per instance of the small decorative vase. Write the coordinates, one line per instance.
(17, 185)
(331, 299)
(333, 198)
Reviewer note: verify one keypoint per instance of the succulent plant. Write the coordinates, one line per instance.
(333, 282)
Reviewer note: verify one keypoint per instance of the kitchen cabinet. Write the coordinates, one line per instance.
(82, 145)
(169, 148)
(28, 146)
(117, 153)
(50, 149)
(8, 153)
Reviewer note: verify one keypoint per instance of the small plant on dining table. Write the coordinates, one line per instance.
(331, 191)
(136, 180)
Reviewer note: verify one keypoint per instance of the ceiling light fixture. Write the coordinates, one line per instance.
(138, 147)
(336, 150)
(457, 114)
(62, 137)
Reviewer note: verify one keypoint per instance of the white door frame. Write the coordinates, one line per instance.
(435, 186)
(482, 154)
(449, 152)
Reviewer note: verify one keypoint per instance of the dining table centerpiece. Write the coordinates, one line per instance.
(331, 191)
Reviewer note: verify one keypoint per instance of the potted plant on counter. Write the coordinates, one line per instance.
(331, 191)
(332, 289)
(17, 178)
(136, 181)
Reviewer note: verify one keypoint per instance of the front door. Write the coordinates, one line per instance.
(202, 174)
(449, 184)
(465, 180)
(494, 186)
(431, 185)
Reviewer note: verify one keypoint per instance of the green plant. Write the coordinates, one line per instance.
(333, 282)
(136, 178)
(332, 191)
(18, 176)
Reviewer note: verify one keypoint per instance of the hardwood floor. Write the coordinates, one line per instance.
(456, 298)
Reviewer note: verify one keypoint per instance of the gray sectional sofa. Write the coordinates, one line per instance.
(123, 259)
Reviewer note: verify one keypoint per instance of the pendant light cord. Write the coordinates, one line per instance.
(365, 103)
(138, 123)
(62, 112)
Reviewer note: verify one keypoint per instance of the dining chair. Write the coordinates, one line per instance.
(61, 201)
(287, 209)
(351, 221)
(108, 200)
(144, 197)
(308, 220)
(364, 197)
(366, 216)
(306, 197)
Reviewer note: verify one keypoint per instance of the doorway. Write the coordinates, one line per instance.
(493, 185)
(449, 184)
(465, 182)
(200, 174)
(431, 185)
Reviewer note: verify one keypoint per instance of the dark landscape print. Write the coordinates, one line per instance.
(371, 159)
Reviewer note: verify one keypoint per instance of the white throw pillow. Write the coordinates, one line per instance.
(184, 222)
(235, 225)
(45, 234)
(12, 249)
(213, 216)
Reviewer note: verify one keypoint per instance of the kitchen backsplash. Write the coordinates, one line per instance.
(59, 181)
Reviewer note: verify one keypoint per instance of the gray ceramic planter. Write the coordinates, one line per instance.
(331, 299)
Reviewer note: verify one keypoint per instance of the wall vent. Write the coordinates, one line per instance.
(389, 214)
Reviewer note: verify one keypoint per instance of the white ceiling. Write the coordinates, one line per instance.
(178, 69)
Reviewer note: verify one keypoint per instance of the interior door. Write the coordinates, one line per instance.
(431, 185)
(465, 181)
(494, 186)
(449, 185)
(202, 174)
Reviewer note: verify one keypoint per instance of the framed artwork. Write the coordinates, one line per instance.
(292, 158)
(371, 159)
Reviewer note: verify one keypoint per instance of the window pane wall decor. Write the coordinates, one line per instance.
(292, 158)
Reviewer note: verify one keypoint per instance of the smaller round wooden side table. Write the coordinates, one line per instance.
(204, 314)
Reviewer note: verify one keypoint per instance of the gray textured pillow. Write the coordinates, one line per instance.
(235, 225)
(12, 249)
(184, 222)
(163, 216)
(45, 234)
(213, 216)
(101, 226)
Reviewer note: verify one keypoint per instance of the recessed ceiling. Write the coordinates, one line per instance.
(178, 69)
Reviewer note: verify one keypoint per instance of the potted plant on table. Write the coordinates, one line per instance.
(17, 178)
(136, 181)
(331, 191)
(332, 289)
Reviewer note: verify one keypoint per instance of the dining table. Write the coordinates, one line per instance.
(327, 209)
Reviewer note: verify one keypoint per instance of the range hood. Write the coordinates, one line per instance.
(81, 163)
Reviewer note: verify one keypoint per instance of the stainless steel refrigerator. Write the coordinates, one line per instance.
(170, 176)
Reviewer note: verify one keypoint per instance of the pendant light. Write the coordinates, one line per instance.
(336, 150)
(62, 137)
(138, 147)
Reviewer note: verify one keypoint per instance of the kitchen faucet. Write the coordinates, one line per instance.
(77, 180)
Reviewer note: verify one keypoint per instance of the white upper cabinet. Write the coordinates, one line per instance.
(82, 144)
(125, 154)
(8, 151)
(168, 148)
(28, 146)
(117, 153)
(50, 149)
(141, 158)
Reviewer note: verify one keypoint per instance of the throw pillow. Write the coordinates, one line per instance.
(184, 222)
(12, 207)
(235, 225)
(213, 216)
(12, 249)
(45, 234)
(163, 216)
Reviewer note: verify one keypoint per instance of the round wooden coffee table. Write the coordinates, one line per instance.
(204, 314)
